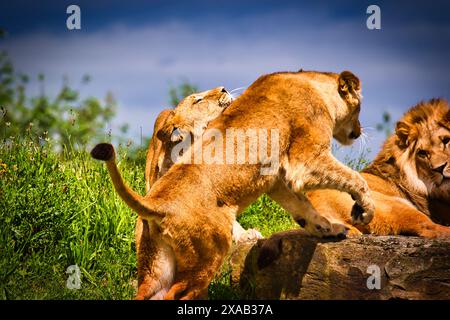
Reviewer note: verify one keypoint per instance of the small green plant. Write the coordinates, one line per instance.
(386, 124)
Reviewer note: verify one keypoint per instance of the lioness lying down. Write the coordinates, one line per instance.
(193, 206)
(409, 178)
(190, 117)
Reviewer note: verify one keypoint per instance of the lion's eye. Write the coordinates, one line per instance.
(445, 140)
(422, 153)
(197, 100)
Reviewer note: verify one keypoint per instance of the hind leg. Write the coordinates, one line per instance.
(195, 273)
(193, 284)
(156, 262)
(200, 249)
(393, 215)
(183, 291)
(397, 217)
(145, 252)
(176, 290)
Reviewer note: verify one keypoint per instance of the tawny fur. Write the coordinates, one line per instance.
(193, 206)
(196, 110)
(409, 178)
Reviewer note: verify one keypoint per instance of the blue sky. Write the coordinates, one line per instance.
(136, 48)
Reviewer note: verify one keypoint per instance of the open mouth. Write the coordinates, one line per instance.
(225, 100)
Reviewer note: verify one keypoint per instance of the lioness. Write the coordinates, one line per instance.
(190, 117)
(409, 178)
(193, 206)
(172, 126)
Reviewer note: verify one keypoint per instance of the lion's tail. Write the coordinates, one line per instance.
(105, 152)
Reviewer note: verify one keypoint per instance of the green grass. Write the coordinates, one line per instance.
(60, 209)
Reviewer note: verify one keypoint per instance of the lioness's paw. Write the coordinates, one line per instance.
(249, 235)
(323, 228)
(362, 214)
(339, 230)
(318, 226)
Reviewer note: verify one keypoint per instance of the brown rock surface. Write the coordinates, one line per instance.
(291, 265)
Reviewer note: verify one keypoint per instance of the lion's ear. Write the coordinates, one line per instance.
(447, 118)
(164, 133)
(349, 87)
(402, 131)
(165, 130)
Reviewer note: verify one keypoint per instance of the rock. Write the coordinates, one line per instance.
(292, 265)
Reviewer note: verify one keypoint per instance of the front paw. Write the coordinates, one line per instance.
(323, 228)
(362, 214)
(249, 235)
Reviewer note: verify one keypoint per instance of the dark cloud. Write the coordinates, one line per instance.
(136, 49)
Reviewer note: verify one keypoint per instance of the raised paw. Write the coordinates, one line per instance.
(361, 216)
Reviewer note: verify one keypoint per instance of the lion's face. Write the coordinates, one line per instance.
(193, 113)
(349, 128)
(425, 136)
(432, 160)
(432, 156)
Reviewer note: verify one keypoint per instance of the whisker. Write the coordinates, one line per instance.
(363, 135)
(361, 145)
(368, 128)
(366, 134)
(237, 89)
(363, 142)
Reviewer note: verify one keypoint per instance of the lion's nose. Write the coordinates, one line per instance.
(223, 90)
(354, 135)
(440, 169)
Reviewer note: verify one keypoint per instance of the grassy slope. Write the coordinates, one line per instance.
(61, 210)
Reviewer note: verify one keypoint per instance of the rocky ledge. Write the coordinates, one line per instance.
(291, 265)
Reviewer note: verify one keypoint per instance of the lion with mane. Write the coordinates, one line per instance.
(409, 178)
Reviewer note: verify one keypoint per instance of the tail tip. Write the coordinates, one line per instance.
(103, 151)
